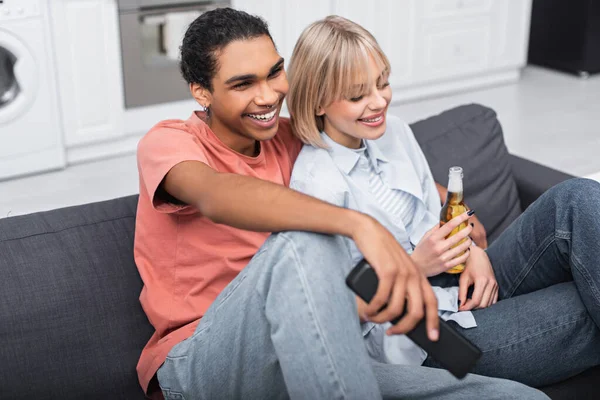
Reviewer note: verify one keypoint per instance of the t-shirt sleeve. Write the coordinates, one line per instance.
(292, 144)
(159, 151)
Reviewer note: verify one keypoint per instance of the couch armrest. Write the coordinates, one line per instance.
(533, 179)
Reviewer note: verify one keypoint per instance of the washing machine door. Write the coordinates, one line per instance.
(18, 77)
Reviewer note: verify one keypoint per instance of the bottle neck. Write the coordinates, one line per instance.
(455, 189)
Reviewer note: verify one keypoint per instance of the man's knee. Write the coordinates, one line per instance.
(304, 256)
(315, 248)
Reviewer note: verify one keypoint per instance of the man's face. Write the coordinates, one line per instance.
(248, 91)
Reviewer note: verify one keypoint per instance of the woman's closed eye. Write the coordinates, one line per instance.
(356, 99)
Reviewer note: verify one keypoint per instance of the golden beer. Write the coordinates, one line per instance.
(454, 207)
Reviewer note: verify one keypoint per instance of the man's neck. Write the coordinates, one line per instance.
(240, 144)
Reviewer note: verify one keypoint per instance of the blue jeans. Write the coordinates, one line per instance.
(287, 326)
(545, 328)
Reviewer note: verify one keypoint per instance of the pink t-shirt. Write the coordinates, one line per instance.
(185, 260)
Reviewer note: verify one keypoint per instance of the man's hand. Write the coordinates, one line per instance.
(479, 272)
(434, 253)
(399, 280)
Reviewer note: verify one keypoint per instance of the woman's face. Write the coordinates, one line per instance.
(248, 91)
(347, 121)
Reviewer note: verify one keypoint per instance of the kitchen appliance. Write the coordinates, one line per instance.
(151, 33)
(30, 130)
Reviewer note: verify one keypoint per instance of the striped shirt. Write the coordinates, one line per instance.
(395, 202)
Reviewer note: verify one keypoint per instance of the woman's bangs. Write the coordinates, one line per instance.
(350, 73)
(354, 77)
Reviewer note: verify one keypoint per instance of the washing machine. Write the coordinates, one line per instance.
(30, 128)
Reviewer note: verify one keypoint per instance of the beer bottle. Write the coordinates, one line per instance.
(454, 207)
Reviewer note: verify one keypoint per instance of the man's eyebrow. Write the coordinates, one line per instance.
(254, 76)
(240, 78)
(277, 65)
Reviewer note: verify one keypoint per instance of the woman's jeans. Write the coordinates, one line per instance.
(287, 326)
(547, 264)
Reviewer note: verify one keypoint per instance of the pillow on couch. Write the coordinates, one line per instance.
(470, 136)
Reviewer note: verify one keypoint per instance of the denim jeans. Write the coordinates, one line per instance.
(287, 327)
(545, 328)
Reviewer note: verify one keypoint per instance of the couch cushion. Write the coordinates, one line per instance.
(470, 136)
(71, 325)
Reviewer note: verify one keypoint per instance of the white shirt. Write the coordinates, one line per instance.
(340, 176)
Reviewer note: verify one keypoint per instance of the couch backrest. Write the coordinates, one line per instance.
(471, 136)
(71, 325)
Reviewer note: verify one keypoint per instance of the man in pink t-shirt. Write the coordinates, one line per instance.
(237, 312)
(212, 188)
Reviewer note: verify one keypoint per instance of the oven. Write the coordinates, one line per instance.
(151, 33)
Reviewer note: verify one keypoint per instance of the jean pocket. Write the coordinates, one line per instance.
(171, 395)
(193, 343)
(229, 290)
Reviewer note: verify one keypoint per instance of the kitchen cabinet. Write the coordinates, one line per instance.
(87, 52)
(435, 47)
(286, 19)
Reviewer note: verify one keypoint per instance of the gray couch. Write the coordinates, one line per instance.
(71, 326)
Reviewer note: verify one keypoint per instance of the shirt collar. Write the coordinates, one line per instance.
(375, 153)
(346, 159)
(343, 157)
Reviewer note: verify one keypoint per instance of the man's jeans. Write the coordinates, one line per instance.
(287, 326)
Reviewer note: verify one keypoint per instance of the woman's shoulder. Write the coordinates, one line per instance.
(316, 174)
(314, 162)
(397, 133)
(397, 126)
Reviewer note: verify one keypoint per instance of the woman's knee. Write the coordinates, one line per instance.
(579, 193)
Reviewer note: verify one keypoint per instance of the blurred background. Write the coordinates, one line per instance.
(82, 80)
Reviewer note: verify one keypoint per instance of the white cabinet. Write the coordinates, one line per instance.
(86, 37)
(435, 46)
(390, 21)
(286, 19)
(440, 46)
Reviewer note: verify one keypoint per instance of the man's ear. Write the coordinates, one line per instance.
(201, 94)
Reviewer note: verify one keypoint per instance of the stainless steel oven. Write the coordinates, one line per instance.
(151, 33)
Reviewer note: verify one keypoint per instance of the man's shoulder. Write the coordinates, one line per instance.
(168, 128)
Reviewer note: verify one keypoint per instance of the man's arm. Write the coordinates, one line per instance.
(254, 204)
(478, 234)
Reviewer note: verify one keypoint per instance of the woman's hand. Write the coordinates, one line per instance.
(434, 253)
(479, 234)
(479, 272)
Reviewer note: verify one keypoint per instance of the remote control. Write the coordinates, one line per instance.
(452, 351)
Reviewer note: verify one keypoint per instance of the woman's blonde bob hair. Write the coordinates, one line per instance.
(330, 62)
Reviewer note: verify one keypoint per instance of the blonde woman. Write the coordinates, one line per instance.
(358, 157)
